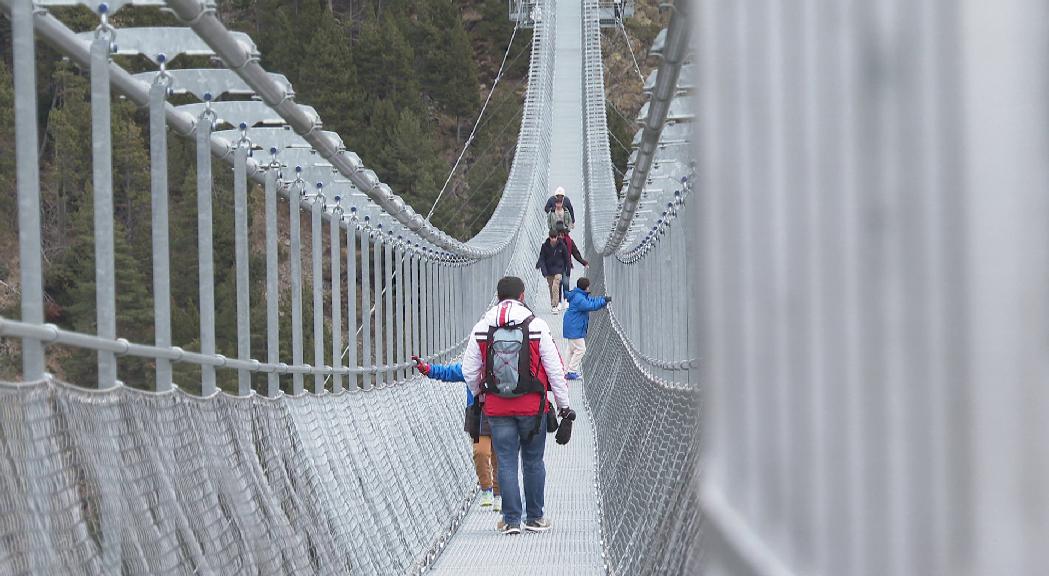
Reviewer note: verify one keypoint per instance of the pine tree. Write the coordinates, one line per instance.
(385, 64)
(449, 74)
(329, 78)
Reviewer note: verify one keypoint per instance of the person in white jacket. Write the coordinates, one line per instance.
(517, 416)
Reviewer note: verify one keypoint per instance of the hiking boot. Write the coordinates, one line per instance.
(486, 498)
(497, 504)
(538, 525)
(505, 528)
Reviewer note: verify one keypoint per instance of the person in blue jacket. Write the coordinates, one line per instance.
(484, 457)
(577, 321)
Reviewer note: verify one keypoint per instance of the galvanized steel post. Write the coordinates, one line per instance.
(158, 160)
(272, 287)
(366, 306)
(336, 295)
(351, 297)
(377, 304)
(206, 279)
(317, 254)
(27, 165)
(295, 191)
(402, 321)
(240, 224)
(102, 181)
(388, 267)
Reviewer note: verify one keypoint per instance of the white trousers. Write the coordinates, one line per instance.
(576, 350)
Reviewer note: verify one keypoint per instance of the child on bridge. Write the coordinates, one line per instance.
(485, 462)
(577, 322)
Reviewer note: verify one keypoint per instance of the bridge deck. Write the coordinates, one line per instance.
(573, 546)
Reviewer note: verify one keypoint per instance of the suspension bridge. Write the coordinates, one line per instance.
(849, 288)
(342, 459)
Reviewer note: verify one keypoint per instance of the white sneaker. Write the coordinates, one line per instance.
(497, 504)
(555, 309)
(486, 498)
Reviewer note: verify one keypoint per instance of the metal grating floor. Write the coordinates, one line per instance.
(573, 546)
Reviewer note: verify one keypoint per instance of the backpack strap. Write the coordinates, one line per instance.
(489, 375)
(524, 359)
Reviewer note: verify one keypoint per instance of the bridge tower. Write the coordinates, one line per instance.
(527, 12)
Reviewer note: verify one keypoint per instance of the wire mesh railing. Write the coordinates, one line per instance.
(642, 382)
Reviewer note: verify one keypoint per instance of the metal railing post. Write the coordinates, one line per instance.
(411, 297)
(378, 336)
(158, 161)
(240, 224)
(272, 287)
(366, 306)
(205, 255)
(102, 181)
(388, 268)
(424, 304)
(27, 165)
(351, 297)
(294, 196)
(402, 320)
(317, 255)
(336, 295)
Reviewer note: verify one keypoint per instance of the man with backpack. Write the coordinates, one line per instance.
(510, 363)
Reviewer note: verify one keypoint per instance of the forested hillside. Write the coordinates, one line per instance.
(401, 81)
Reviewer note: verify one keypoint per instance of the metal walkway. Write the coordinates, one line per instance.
(573, 546)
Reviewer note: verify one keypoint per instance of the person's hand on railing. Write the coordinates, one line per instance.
(421, 366)
(608, 299)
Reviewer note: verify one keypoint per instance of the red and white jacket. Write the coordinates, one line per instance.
(546, 361)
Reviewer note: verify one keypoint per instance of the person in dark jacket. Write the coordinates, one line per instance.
(577, 322)
(573, 250)
(552, 201)
(553, 262)
(485, 463)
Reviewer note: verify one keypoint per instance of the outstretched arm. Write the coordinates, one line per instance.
(447, 372)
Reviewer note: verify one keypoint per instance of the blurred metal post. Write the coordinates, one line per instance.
(411, 297)
(402, 319)
(240, 224)
(317, 255)
(295, 192)
(351, 298)
(388, 267)
(272, 287)
(366, 306)
(424, 305)
(206, 278)
(27, 166)
(102, 181)
(336, 296)
(158, 161)
(377, 265)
